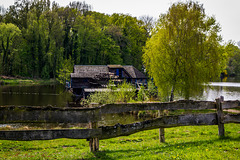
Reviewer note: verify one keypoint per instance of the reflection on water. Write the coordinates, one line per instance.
(36, 95)
(225, 84)
(121, 118)
(229, 89)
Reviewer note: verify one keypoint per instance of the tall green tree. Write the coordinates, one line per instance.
(233, 65)
(131, 35)
(9, 33)
(88, 36)
(65, 70)
(54, 48)
(36, 36)
(184, 51)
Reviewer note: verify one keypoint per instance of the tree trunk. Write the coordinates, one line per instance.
(172, 94)
(161, 130)
(5, 57)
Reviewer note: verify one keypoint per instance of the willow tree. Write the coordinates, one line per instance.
(8, 44)
(184, 50)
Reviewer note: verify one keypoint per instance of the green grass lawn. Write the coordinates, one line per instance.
(198, 142)
(27, 81)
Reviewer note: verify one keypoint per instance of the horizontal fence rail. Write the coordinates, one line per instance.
(21, 114)
(28, 135)
(231, 104)
(163, 122)
(106, 132)
(26, 114)
(231, 118)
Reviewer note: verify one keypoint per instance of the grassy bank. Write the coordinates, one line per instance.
(200, 142)
(21, 81)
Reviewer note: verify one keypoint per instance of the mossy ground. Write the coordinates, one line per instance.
(191, 142)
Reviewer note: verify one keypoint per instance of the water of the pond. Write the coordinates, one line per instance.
(229, 89)
(57, 96)
(37, 95)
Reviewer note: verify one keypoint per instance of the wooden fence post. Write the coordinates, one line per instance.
(161, 130)
(221, 130)
(162, 135)
(93, 142)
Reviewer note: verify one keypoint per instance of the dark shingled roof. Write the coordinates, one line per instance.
(91, 71)
(133, 72)
(88, 74)
(90, 68)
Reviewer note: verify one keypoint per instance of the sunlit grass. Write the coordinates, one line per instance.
(27, 81)
(198, 142)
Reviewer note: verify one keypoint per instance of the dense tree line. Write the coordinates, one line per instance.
(38, 38)
(233, 65)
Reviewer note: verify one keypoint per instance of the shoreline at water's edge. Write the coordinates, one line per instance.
(6, 80)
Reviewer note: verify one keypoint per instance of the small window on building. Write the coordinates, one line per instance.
(117, 72)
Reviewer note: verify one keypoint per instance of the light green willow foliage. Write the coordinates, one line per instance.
(65, 71)
(8, 46)
(184, 50)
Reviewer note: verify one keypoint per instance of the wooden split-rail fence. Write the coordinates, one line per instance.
(30, 114)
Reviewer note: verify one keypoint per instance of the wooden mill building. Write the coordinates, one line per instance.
(87, 77)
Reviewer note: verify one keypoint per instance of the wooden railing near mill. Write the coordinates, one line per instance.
(24, 114)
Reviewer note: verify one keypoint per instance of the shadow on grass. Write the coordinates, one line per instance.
(100, 155)
(163, 148)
